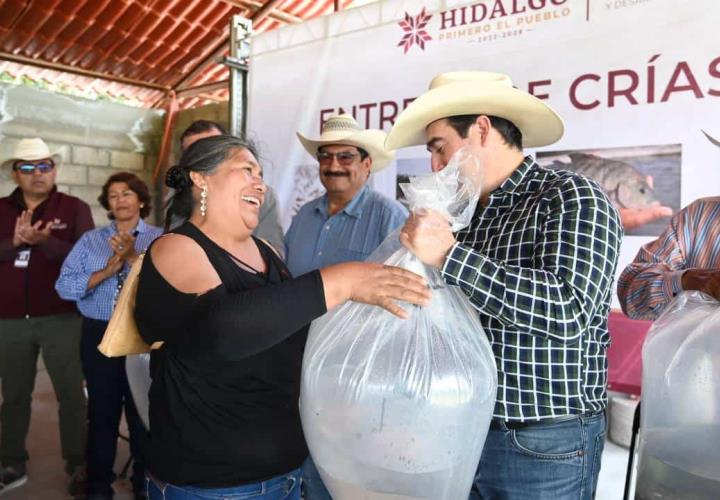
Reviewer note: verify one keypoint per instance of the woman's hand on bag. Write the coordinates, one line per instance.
(375, 284)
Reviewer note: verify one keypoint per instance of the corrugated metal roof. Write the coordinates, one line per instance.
(133, 50)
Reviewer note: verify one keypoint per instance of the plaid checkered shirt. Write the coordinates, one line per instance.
(537, 262)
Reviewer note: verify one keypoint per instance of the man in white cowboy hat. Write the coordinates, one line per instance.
(348, 222)
(38, 227)
(537, 263)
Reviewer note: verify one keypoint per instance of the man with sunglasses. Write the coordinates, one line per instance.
(38, 227)
(347, 223)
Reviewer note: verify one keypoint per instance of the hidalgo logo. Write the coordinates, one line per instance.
(414, 28)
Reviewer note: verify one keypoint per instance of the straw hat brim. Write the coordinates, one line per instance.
(56, 157)
(538, 123)
(371, 141)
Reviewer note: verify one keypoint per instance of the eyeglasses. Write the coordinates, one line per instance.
(344, 158)
(29, 168)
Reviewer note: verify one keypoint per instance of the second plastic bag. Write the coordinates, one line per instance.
(680, 414)
(399, 409)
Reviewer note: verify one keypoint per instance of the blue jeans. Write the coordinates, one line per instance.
(282, 487)
(553, 461)
(313, 487)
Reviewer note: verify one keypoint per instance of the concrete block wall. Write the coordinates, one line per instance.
(98, 139)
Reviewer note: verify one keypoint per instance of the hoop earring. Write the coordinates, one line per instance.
(203, 201)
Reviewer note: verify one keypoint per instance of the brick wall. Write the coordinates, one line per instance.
(98, 139)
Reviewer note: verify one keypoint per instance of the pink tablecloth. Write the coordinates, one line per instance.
(625, 353)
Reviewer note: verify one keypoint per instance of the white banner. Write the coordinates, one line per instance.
(636, 81)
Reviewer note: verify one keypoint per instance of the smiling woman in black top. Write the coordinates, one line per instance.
(224, 413)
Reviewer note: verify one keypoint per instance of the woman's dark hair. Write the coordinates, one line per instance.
(135, 184)
(202, 156)
(507, 129)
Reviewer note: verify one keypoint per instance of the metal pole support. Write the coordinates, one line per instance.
(631, 458)
(237, 63)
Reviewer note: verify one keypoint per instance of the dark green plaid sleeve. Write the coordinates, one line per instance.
(575, 258)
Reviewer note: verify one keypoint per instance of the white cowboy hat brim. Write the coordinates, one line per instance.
(538, 123)
(715, 140)
(371, 141)
(56, 157)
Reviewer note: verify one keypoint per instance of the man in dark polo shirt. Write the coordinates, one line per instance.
(38, 227)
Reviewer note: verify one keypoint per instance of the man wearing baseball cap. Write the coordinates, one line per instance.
(38, 227)
(537, 263)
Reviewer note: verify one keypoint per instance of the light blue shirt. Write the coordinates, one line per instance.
(316, 239)
(90, 254)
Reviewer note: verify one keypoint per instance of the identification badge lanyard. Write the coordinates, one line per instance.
(22, 258)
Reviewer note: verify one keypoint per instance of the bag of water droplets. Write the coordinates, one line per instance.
(399, 409)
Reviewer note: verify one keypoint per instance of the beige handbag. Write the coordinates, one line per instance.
(121, 335)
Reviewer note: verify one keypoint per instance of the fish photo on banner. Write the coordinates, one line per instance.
(643, 181)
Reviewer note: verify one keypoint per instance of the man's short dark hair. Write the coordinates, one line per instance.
(507, 129)
(200, 126)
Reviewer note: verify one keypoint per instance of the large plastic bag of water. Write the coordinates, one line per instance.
(680, 414)
(399, 409)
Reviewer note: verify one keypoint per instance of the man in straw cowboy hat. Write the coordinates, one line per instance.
(537, 263)
(38, 227)
(348, 222)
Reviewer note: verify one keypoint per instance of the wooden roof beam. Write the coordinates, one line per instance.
(203, 89)
(215, 57)
(79, 71)
(278, 15)
(264, 11)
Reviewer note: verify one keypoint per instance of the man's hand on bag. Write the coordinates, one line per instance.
(427, 234)
(703, 280)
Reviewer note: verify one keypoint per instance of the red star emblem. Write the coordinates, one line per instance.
(414, 28)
